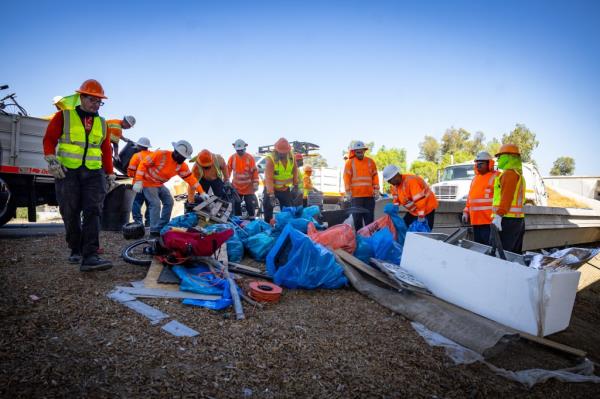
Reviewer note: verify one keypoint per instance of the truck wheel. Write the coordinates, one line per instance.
(7, 203)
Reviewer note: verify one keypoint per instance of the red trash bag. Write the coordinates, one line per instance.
(384, 221)
(193, 243)
(340, 236)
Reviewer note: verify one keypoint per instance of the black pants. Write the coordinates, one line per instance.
(408, 219)
(216, 185)
(251, 203)
(513, 230)
(481, 233)
(285, 199)
(363, 219)
(80, 196)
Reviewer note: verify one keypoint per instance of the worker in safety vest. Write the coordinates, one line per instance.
(142, 147)
(115, 130)
(509, 197)
(281, 178)
(478, 209)
(63, 103)
(77, 149)
(307, 184)
(244, 176)
(361, 183)
(412, 193)
(211, 171)
(157, 169)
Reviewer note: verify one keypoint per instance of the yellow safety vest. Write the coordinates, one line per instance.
(516, 206)
(283, 177)
(215, 164)
(74, 145)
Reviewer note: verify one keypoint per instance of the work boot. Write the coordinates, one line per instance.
(75, 257)
(154, 234)
(94, 263)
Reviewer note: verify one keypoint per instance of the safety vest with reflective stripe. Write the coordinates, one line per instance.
(361, 177)
(158, 167)
(75, 144)
(516, 206)
(283, 176)
(244, 173)
(115, 129)
(215, 164)
(479, 201)
(416, 196)
(135, 161)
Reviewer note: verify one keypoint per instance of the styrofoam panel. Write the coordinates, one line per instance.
(494, 288)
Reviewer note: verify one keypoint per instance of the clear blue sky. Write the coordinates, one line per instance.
(325, 72)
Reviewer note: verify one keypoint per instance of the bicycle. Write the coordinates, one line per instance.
(10, 106)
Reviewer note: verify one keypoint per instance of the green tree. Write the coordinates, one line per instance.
(429, 149)
(524, 139)
(315, 160)
(563, 166)
(457, 157)
(477, 144)
(493, 146)
(454, 140)
(428, 170)
(390, 156)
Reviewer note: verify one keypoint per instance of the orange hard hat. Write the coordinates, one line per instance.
(282, 146)
(92, 87)
(508, 149)
(307, 169)
(205, 158)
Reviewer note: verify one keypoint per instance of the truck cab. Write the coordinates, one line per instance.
(455, 182)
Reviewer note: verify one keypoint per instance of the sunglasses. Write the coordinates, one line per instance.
(94, 100)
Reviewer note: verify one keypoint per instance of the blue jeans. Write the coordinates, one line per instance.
(155, 196)
(136, 209)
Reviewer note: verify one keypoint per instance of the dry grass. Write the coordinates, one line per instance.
(560, 201)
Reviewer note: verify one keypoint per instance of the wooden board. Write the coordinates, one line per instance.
(590, 273)
(151, 280)
(363, 267)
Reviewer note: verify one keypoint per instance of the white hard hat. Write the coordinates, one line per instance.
(184, 148)
(389, 172)
(56, 99)
(358, 145)
(483, 156)
(239, 144)
(144, 142)
(129, 119)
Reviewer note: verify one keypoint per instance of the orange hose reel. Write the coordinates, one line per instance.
(264, 291)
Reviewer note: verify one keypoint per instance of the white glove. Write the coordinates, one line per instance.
(497, 222)
(376, 195)
(421, 219)
(348, 195)
(138, 187)
(54, 167)
(204, 196)
(112, 181)
(465, 218)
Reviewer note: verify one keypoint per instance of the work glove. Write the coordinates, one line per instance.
(465, 218)
(227, 183)
(138, 187)
(497, 222)
(348, 196)
(295, 190)
(421, 218)
(272, 200)
(255, 186)
(189, 206)
(204, 196)
(54, 167)
(112, 181)
(376, 195)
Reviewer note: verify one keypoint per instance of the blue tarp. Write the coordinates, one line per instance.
(186, 221)
(198, 279)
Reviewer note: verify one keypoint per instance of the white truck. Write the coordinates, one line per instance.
(455, 181)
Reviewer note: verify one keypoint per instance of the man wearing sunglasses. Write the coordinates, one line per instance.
(78, 151)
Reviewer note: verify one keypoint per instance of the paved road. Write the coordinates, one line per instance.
(19, 230)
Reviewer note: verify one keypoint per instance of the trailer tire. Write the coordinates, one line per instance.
(133, 231)
(7, 210)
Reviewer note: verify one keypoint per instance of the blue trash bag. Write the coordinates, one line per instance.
(259, 245)
(235, 248)
(199, 280)
(310, 212)
(257, 226)
(364, 249)
(295, 261)
(296, 217)
(401, 229)
(384, 247)
(188, 220)
(419, 227)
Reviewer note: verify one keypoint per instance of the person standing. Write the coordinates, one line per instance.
(244, 176)
(478, 209)
(414, 194)
(281, 178)
(157, 169)
(142, 146)
(509, 194)
(361, 183)
(77, 149)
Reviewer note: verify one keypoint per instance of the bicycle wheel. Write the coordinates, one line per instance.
(139, 253)
(13, 109)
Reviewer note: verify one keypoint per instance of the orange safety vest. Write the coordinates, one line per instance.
(114, 129)
(134, 162)
(416, 196)
(481, 195)
(244, 173)
(159, 167)
(360, 177)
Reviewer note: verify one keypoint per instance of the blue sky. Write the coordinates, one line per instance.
(324, 72)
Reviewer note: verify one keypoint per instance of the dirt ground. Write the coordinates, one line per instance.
(73, 342)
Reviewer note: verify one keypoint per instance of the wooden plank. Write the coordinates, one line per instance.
(151, 279)
(245, 267)
(363, 267)
(552, 344)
